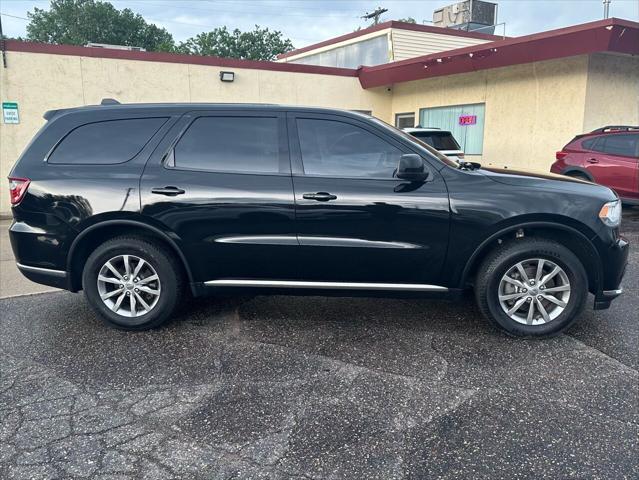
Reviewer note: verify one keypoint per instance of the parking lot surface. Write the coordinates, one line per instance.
(314, 387)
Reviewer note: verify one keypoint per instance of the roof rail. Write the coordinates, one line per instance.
(615, 128)
(109, 101)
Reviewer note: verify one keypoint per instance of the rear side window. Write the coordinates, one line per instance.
(230, 144)
(438, 140)
(625, 145)
(105, 143)
(338, 149)
(589, 144)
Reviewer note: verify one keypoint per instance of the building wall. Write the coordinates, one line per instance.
(612, 95)
(532, 110)
(41, 82)
(410, 44)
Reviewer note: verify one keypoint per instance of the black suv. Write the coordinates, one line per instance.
(139, 204)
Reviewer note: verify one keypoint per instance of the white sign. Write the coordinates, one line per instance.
(10, 112)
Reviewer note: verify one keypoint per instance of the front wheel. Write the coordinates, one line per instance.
(133, 283)
(532, 287)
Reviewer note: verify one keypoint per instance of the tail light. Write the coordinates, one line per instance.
(17, 189)
(561, 155)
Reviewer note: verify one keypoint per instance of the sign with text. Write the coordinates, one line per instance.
(10, 112)
(467, 120)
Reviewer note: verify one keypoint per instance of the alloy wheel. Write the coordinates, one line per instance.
(534, 292)
(129, 285)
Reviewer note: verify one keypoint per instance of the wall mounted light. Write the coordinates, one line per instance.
(227, 76)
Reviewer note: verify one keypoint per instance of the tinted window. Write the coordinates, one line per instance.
(339, 149)
(232, 144)
(618, 145)
(437, 140)
(590, 143)
(113, 141)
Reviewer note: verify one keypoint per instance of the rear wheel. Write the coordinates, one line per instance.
(532, 287)
(580, 176)
(132, 283)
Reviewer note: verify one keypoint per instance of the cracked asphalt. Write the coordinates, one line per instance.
(315, 387)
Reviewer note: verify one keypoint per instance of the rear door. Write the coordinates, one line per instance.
(356, 222)
(221, 183)
(614, 162)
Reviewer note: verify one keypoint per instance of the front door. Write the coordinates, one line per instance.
(224, 190)
(615, 163)
(356, 222)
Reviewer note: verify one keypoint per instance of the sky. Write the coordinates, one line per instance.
(310, 21)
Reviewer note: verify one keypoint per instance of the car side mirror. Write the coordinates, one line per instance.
(413, 168)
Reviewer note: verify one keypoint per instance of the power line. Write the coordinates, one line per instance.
(14, 16)
(261, 6)
(248, 12)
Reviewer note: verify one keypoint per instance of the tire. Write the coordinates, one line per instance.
(162, 296)
(530, 252)
(580, 176)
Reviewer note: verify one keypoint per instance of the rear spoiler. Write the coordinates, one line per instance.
(54, 113)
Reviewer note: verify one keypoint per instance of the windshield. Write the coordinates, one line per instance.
(422, 145)
(438, 140)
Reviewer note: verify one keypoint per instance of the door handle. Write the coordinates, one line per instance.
(169, 191)
(319, 196)
(593, 160)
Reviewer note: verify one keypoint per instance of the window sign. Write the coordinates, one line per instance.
(465, 122)
(10, 112)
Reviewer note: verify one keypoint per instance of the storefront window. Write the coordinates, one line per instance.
(465, 122)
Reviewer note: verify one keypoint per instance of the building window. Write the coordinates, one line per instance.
(364, 112)
(405, 120)
(373, 51)
(465, 122)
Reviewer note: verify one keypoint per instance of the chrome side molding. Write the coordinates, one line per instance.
(414, 287)
(49, 271)
(612, 293)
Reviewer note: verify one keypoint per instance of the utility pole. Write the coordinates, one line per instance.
(375, 15)
(606, 4)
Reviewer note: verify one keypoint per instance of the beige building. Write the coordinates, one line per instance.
(520, 99)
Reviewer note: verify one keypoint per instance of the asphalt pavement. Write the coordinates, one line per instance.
(316, 387)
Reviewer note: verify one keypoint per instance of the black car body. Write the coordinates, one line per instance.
(289, 200)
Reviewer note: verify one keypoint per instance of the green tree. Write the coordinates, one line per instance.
(407, 20)
(78, 22)
(258, 44)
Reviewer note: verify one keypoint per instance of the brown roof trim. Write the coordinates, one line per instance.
(610, 35)
(73, 50)
(417, 27)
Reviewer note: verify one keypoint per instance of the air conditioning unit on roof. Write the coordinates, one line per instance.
(469, 15)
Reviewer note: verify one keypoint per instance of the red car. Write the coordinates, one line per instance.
(608, 156)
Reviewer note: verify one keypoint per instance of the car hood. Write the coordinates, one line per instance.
(539, 179)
